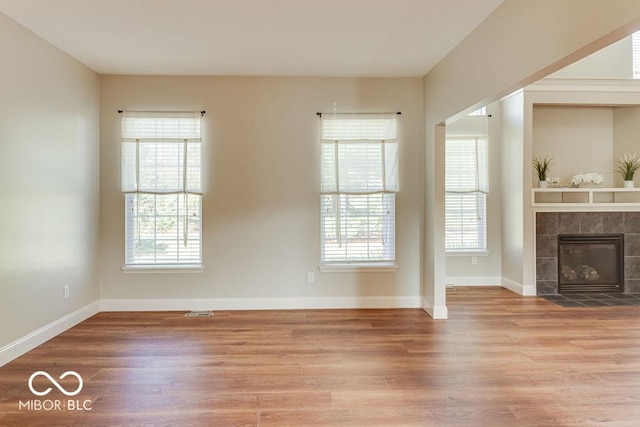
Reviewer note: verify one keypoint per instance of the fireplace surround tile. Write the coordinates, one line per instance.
(632, 285)
(590, 223)
(632, 244)
(547, 287)
(631, 267)
(632, 222)
(547, 268)
(613, 223)
(547, 245)
(568, 223)
(550, 224)
(547, 224)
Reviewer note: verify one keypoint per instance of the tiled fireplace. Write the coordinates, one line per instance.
(549, 225)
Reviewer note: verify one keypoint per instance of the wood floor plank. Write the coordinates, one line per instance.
(385, 416)
(295, 400)
(500, 360)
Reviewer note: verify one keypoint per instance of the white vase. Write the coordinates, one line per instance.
(542, 184)
(628, 184)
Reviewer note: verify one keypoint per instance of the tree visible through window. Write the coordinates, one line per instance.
(161, 179)
(359, 182)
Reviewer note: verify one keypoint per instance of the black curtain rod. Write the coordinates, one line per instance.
(320, 114)
(202, 113)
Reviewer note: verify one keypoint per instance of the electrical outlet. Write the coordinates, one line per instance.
(311, 277)
(474, 260)
(66, 292)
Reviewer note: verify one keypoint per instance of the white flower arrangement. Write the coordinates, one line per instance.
(587, 178)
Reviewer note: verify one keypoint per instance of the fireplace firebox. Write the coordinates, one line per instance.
(590, 263)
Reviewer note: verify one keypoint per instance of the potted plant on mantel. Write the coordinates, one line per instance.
(628, 166)
(541, 166)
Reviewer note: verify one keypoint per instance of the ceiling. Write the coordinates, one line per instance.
(391, 38)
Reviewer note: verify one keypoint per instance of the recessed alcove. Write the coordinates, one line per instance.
(585, 138)
(584, 125)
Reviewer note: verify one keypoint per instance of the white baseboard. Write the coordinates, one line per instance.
(473, 280)
(518, 288)
(256, 303)
(29, 342)
(438, 312)
(512, 285)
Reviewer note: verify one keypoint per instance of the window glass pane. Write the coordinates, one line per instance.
(480, 112)
(163, 229)
(465, 222)
(358, 228)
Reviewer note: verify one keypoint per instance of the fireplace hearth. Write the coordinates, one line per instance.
(590, 263)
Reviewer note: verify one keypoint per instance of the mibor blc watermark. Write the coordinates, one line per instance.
(55, 404)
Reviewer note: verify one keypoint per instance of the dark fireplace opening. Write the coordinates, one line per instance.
(590, 263)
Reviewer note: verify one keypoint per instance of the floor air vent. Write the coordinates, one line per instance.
(202, 313)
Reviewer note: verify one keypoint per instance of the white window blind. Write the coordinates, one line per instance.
(161, 179)
(466, 184)
(161, 152)
(636, 54)
(359, 154)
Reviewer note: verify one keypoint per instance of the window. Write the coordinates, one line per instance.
(466, 184)
(359, 182)
(161, 179)
(636, 54)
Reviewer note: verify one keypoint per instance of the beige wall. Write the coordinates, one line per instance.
(261, 206)
(626, 136)
(579, 138)
(612, 62)
(48, 182)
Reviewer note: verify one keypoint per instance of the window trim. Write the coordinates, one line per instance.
(466, 252)
(162, 268)
(381, 267)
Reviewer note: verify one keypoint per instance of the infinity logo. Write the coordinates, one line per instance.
(55, 383)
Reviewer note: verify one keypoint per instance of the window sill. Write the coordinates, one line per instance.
(357, 268)
(467, 253)
(148, 268)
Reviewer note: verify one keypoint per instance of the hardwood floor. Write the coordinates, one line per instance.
(500, 360)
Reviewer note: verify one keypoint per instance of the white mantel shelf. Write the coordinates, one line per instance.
(586, 199)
